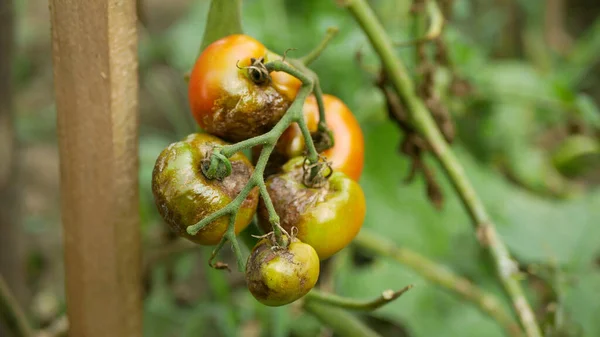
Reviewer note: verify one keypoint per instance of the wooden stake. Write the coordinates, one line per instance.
(95, 78)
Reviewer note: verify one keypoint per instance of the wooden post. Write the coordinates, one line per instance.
(95, 77)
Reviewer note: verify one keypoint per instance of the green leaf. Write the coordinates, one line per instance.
(583, 304)
(588, 110)
(224, 19)
(577, 154)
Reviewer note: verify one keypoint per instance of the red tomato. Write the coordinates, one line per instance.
(347, 154)
(226, 102)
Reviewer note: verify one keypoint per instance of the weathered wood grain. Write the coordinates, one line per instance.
(95, 75)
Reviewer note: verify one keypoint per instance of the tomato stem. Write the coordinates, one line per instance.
(439, 275)
(315, 53)
(353, 304)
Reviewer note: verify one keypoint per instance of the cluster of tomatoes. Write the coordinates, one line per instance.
(233, 104)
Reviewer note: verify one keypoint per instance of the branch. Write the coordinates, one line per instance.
(441, 276)
(310, 57)
(352, 304)
(339, 320)
(505, 267)
(11, 313)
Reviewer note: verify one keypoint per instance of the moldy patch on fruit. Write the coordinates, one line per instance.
(247, 114)
(280, 275)
(184, 196)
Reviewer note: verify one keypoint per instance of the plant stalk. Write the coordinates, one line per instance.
(423, 121)
(353, 304)
(12, 314)
(315, 53)
(216, 27)
(441, 276)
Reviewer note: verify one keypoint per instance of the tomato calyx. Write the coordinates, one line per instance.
(315, 175)
(257, 72)
(215, 165)
(284, 241)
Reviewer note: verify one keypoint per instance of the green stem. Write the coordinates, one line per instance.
(441, 276)
(353, 304)
(505, 266)
(340, 321)
(313, 155)
(314, 54)
(11, 313)
(273, 217)
(319, 97)
(216, 27)
(241, 262)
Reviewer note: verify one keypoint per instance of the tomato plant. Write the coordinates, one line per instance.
(228, 100)
(327, 217)
(184, 196)
(280, 275)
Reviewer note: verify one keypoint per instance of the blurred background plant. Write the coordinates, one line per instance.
(522, 87)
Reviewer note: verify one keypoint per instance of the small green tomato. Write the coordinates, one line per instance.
(280, 275)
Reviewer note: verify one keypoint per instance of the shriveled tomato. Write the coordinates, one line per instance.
(224, 98)
(327, 217)
(280, 275)
(347, 154)
(184, 196)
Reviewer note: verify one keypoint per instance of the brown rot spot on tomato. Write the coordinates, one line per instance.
(281, 275)
(184, 196)
(327, 217)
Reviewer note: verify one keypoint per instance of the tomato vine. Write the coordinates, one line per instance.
(294, 114)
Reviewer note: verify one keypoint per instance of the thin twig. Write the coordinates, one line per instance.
(353, 304)
(12, 313)
(506, 268)
(314, 54)
(441, 276)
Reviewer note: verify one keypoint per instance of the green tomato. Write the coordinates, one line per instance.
(281, 275)
(327, 217)
(184, 196)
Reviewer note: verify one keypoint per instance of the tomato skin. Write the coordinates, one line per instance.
(347, 154)
(225, 102)
(277, 276)
(327, 218)
(184, 196)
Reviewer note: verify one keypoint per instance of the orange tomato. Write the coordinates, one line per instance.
(347, 154)
(327, 218)
(226, 102)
